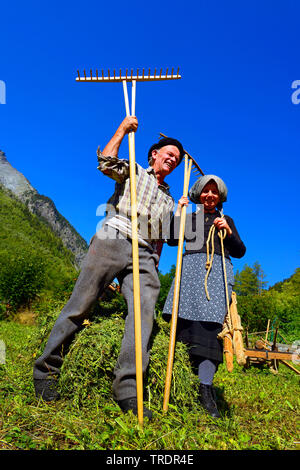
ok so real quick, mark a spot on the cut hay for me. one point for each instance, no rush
(88, 369)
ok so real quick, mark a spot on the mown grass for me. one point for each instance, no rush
(260, 410)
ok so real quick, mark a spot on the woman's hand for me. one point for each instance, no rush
(221, 224)
(183, 201)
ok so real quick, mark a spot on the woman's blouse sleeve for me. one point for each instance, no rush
(233, 243)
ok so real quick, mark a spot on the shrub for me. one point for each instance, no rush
(2, 310)
(255, 310)
(22, 276)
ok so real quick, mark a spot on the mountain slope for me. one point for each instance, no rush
(290, 285)
(43, 207)
(25, 236)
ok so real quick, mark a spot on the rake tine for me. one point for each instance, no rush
(115, 76)
(195, 163)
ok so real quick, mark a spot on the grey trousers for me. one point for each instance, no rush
(109, 256)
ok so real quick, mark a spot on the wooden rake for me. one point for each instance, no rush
(130, 77)
(189, 163)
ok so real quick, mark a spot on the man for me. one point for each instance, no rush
(110, 256)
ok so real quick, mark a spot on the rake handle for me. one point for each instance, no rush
(176, 289)
(135, 259)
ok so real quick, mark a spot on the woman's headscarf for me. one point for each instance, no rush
(196, 189)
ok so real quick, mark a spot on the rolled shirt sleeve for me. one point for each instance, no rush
(114, 167)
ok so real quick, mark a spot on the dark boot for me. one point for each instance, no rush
(207, 400)
(131, 404)
(46, 389)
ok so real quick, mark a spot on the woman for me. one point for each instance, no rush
(202, 309)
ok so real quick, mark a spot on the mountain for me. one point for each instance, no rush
(43, 207)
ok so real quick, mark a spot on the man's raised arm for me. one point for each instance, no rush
(109, 163)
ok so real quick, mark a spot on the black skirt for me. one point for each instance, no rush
(201, 339)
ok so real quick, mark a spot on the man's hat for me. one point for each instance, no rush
(167, 141)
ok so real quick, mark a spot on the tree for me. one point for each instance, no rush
(250, 280)
(246, 282)
(260, 275)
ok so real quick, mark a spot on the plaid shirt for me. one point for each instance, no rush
(155, 205)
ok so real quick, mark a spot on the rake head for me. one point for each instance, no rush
(195, 167)
(128, 77)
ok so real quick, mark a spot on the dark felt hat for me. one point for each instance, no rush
(167, 141)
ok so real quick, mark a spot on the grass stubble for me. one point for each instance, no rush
(260, 410)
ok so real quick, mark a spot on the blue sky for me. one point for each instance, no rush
(232, 109)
